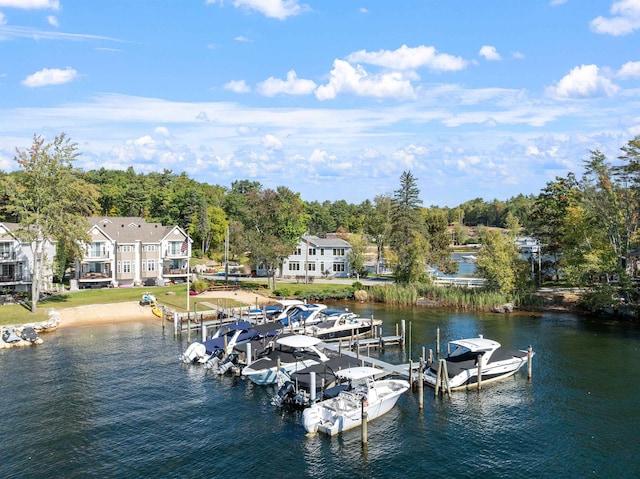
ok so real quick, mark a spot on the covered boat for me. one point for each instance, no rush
(468, 356)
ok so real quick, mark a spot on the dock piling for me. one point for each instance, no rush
(529, 359)
(438, 343)
(364, 425)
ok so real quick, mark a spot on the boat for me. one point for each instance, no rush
(291, 353)
(337, 324)
(227, 336)
(469, 258)
(148, 299)
(10, 336)
(300, 316)
(272, 312)
(345, 411)
(322, 379)
(466, 354)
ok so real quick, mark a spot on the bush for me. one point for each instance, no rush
(281, 293)
(199, 285)
(357, 285)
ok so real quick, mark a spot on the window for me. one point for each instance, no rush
(119, 267)
(338, 267)
(338, 251)
(322, 252)
(312, 251)
(311, 266)
(294, 266)
(298, 251)
(126, 266)
(151, 265)
(125, 248)
(149, 247)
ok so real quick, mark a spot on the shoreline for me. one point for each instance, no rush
(132, 310)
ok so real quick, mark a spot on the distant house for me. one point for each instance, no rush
(316, 257)
(128, 251)
(16, 261)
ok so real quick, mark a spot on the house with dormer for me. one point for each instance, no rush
(128, 251)
(16, 261)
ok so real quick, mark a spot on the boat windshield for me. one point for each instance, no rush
(459, 351)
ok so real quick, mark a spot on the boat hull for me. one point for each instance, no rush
(468, 378)
(266, 376)
(344, 412)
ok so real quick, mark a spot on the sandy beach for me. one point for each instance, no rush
(132, 311)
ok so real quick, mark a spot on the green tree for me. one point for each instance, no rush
(407, 238)
(356, 256)
(50, 201)
(499, 262)
(378, 226)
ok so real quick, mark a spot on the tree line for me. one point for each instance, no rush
(587, 225)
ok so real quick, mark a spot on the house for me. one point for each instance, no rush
(316, 257)
(16, 261)
(128, 251)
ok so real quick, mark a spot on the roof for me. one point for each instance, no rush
(477, 344)
(129, 229)
(325, 242)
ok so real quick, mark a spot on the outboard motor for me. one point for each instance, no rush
(213, 361)
(232, 360)
(285, 393)
(194, 352)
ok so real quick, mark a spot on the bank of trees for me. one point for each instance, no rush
(587, 225)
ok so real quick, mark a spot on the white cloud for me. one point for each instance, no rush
(242, 38)
(53, 21)
(629, 70)
(363, 10)
(280, 9)
(555, 3)
(31, 4)
(291, 86)
(11, 32)
(518, 55)
(162, 131)
(625, 19)
(583, 82)
(489, 53)
(406, 58)
(50, 76)
(237, 86)
(271, 142)
(347, 79)
(3, 19)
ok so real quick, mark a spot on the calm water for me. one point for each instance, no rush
(113, 401)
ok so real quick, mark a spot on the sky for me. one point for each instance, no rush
(333, 99)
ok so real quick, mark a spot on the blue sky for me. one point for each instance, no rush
(333, 99)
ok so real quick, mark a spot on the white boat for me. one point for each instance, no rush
(340, 324)
(272, 312)
(300, 316)
(292, 353)
(462, 363)
(344, 412)
(469, 258)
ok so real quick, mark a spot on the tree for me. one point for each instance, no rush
(437, 251)
(378, 226)
(49, 201)
(356, 256)
(499, 262)
(407, 236)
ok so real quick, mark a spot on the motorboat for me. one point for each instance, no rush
(272, 312)
(300, 316)
(470, 258)
(337, 324)
(465, 357)
(316, 382)
(226, 337)
(291, 353)
(345, 411)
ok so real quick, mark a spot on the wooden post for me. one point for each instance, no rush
(312, 387)
(438, 343)
(430, 356)
(480, 372)
(188, 328)
(175, 324)
(411, 374)
(364, 425)
(446, 378)
(421, 386)
(438, 379)
(529, 359)
(248, 359)
(402, 333)
(204, 332)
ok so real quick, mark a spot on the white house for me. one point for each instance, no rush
(316, 257)
(128, 251)
(16, 261)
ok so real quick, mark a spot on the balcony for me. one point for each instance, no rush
(95, 276)
(12, 278)
(91, 255)
(174, 271)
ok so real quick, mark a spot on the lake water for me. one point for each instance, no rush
(114, 401)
